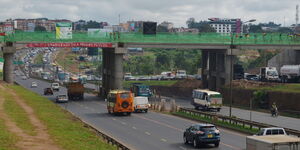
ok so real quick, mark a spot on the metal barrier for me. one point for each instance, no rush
(237, 121)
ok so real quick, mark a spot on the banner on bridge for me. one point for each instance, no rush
(76, 44)
(63, 30)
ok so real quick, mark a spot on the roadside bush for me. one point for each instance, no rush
(260, 99)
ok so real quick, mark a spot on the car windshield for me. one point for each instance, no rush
(62, 96)
(272, 73)
(208, 128)
(124, 95)
(261, 132)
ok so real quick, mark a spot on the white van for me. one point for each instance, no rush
(207, 99)
(55, 86)
(141, 103)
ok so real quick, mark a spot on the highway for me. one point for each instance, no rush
(140, 131)
(281, 121)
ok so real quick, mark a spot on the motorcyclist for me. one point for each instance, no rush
(274, 109)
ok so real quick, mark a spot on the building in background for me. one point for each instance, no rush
(222, 25)
(168, 25)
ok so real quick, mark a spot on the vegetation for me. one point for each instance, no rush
(202, 26)
(156, 61)
(289, 88)
(66, 130)
(39, 59)
(7, 139)
(18, 114)
(226, 124)
(1, 75)
(127, 84)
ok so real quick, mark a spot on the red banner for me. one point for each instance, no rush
(76, 44)
(2, 34)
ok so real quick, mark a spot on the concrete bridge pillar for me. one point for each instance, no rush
(216, 67)
(112, 75)
(8, 54)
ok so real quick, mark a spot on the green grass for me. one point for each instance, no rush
(1, 75)
(127, 84)
(237, 127)
(292, 88)
(7, 139)
(39, 59)
(64, 129)
(18, 114)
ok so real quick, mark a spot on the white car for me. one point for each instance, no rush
(271, 131)
(33, 84)
(141, 103)
(61, 98)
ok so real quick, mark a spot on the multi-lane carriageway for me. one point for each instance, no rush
(140, 131)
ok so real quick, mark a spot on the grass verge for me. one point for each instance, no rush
(65, 130)
(127, 84)
(18, 114)
(39, 59)
(7, 139)
(225, 124)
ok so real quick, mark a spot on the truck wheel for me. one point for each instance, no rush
(128, 113)
(146, 110)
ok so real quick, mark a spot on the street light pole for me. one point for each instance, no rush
(231, 70)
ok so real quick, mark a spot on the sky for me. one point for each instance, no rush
(175, 11)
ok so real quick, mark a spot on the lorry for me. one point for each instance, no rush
(269, 74)
(290, 73)
(75, 90)
(272, 142)
(140, 89)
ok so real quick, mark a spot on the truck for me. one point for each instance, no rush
(272, 142)
(140, 89)
(269, 74)
(75, 90)
(180, 74)
(290, 73)
(238, 72)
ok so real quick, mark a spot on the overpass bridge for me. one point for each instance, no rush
(218, 50)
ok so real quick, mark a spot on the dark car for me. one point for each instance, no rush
(199, 134)
(48, 91)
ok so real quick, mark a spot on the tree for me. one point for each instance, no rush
(285, 30)
(255, 29)
(202, 26)
(39, 28)
(162, 28)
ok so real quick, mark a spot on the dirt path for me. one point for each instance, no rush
(41, 141)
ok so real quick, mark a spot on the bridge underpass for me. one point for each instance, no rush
(218, 51)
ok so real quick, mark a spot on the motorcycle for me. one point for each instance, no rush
(274, 112)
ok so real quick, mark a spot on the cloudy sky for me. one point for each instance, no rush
(176, 11)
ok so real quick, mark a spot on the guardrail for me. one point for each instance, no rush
(243, 122)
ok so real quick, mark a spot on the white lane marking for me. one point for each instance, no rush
(134, 128)
(164, 140)
(147, 133)
(114, 119)
(124, 123)
(182, 148)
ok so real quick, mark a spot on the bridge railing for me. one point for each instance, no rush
(137, 37)
(243, 122)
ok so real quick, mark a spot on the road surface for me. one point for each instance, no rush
(141, 131)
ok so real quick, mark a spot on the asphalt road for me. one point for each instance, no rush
(141, 131)
(280, 121)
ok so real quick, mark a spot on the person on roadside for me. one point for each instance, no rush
(274, 109)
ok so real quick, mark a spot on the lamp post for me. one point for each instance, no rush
(231, 67)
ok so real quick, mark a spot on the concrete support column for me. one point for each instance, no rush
(112, 77)
(118, 71)
(8, 54)
(204, 71)
(212, 71)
